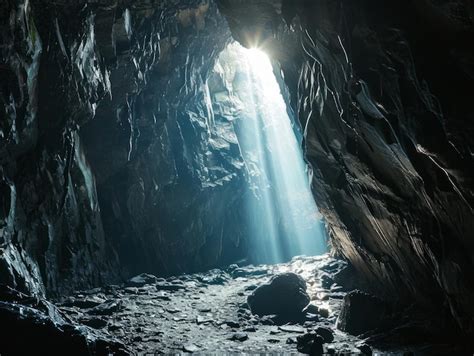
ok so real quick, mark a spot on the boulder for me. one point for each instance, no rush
(285, 295)
(361, 312)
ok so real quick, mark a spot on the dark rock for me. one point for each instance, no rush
(323, 312)
(365, 349)
(162, 296)
(232, 323)
(326, 333)
(361, 312)
(250, 329)
(311, 344)
(239, 336)
(273, 341)
(285, 295)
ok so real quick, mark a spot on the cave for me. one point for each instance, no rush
(236, 177)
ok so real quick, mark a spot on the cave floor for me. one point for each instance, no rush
(207, 312)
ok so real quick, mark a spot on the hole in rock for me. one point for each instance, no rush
(281, 215)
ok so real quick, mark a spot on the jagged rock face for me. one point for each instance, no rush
(107, 143)
(382, 89)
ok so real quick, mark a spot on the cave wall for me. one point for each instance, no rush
(383, 91)
(111, 160)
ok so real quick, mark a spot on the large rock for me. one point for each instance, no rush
(284, 295)
(361, 312)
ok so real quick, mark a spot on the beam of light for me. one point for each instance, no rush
(282, 215)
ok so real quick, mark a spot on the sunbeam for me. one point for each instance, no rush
(282, 215)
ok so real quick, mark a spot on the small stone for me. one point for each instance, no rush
(203, 320)
(137, 338)
(292, 329)
(173, 310)
(204, 310)
(250, 329)
(273, 341)
(131, 290)
(291, 341)
(141, 280)
(324, 312)
(232, 323)
(239, 336)
(191, 348)
(162, 296)
(274, 331)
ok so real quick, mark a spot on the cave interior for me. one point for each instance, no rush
(236, 177)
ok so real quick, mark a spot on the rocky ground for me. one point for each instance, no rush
(308, 306)
(208, 312)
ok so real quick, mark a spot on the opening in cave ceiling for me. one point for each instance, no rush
(282, 216)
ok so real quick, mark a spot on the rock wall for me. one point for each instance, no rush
(108, 151)
(382, 89)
